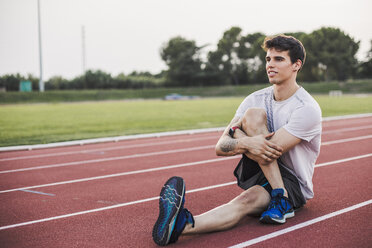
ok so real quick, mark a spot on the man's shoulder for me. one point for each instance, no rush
(308, 106)
(263, 92)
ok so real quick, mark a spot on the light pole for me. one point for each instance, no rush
(83, 49)
(41, 83)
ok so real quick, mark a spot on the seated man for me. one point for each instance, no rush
(277, 130)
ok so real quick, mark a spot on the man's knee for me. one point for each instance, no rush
(254, 121)
(253, 200)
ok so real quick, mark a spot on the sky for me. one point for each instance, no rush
(126, 35)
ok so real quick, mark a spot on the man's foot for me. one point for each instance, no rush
(172, 216)
(280, 208)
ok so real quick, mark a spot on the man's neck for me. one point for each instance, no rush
(284, 91)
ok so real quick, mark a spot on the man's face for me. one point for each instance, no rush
(279, 67)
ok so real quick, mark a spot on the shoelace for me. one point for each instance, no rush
(277, 201)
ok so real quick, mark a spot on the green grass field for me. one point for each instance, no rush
(54, 96)
(51, 122)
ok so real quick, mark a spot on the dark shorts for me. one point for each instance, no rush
(249, 173)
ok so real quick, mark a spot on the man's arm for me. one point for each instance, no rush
(241, 143)
(262, 148)
(226, 145)
(283, 139)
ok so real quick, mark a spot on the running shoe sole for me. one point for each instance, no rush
(268, 220)
(170, 203)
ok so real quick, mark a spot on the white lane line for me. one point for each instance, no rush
(123, 174)
(110, 139)
(152, 144)
(108, 148)
(343, 160)
(109, 207)
(37, 192)
(167, 168)
(153, 198)
(301, 225)
(151, 154)
(346, 140)
(348, 129)
(110, 159)
(151, 135)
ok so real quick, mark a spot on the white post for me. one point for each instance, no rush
(41, 83)
(83, 48)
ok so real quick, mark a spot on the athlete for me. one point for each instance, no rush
(277, 130)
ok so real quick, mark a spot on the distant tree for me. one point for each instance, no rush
(256, 58)
(183, 60)
(226, 62)
(57, 83)
(98, 80)
(332, 53)
(11, 81)
(238, 59)
(365, 68)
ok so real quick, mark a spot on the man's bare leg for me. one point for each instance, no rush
(255, 123)
(252, 201)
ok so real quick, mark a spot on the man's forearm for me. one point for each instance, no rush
(227, 146)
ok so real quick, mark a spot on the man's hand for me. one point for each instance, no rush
(260, 149)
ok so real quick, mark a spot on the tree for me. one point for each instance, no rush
(365, 68)
(183, 59)
(226, 62)
(332, 53)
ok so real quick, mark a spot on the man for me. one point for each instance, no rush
(277, 130)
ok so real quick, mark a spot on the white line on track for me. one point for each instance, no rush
(165, 168)
(110, 159)
(109, 207)
(152, 144)
(150, 135)
(301, 225)
(151, 154)
(345, 140)
(123, 174)
(155, 198)
(347, 129)
(108, 148)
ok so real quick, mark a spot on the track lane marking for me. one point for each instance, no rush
(348, 129)
(159, 143)
(152, 154)
(138, 155)
(301, 225)
(107, 149)
(37, 192)
(155, 198)
(109, 207)
(166, 168)
(346, 140)
(123, 174)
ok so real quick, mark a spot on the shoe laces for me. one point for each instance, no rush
(280, 203)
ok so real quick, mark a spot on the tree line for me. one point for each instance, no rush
(237, 59)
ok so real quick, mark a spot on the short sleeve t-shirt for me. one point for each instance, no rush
(301, 116)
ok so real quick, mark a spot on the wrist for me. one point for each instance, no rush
(232, 131)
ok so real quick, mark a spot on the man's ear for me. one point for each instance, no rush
(297, 65)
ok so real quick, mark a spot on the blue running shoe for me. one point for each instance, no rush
(172, 216)
(280, 208)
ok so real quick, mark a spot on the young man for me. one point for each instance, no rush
(277, 130)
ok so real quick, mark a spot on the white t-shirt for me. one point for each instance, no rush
(301, 116)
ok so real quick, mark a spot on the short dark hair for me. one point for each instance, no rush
(286, 43)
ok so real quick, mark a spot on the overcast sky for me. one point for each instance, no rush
(123, 35)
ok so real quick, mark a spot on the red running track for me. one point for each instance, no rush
(106, 195)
